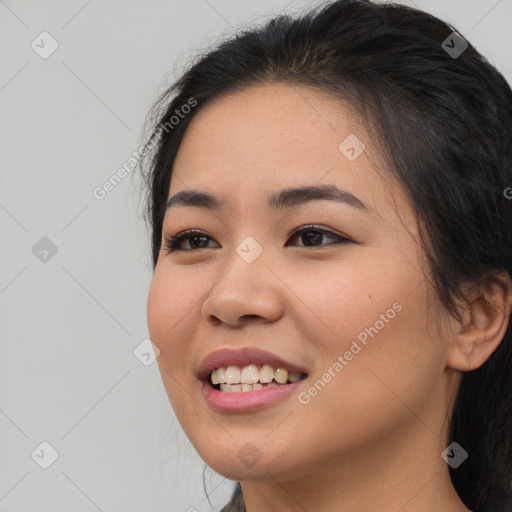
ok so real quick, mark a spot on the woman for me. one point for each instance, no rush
(331, 237)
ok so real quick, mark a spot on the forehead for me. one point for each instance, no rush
(269, 124)
(267, 137)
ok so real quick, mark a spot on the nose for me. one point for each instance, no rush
(246, 293)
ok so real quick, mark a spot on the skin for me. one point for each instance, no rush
(372, 438)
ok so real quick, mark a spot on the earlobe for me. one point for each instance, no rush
(485, 321)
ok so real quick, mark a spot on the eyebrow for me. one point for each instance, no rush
(287, 198)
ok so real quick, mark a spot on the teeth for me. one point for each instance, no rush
(250, 376)
(220, 375)
(233, 375)
(237, 388)
(266, 373)
(281, 375)
(293, 376)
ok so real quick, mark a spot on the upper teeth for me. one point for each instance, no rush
(250, 374)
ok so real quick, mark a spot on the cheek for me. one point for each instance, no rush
(160, 308)
(398, 366)
(170, 306)
(341, 300)
(169, 309)
(371, 335)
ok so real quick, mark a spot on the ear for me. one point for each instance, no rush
(485, 318)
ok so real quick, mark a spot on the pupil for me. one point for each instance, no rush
(317, 236)
(201, 244)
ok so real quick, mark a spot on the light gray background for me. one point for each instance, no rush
(69, 325)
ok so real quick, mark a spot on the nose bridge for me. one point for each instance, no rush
(245, 288)
(246, 270)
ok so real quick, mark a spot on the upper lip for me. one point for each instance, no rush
(242, 357)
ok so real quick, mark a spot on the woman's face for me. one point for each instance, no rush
(346, 302)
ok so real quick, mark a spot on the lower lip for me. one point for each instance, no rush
(246, 401)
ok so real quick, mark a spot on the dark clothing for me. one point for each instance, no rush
(237, 503)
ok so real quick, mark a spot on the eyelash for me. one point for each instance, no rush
(172, 243)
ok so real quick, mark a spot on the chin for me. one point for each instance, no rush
(243, 460)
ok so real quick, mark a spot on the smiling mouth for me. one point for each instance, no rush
(252, 377)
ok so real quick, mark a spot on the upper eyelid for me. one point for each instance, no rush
(198, 232)
(317, 227)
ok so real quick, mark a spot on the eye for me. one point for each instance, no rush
(313, 235)
(199, 239)
(173, 243)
